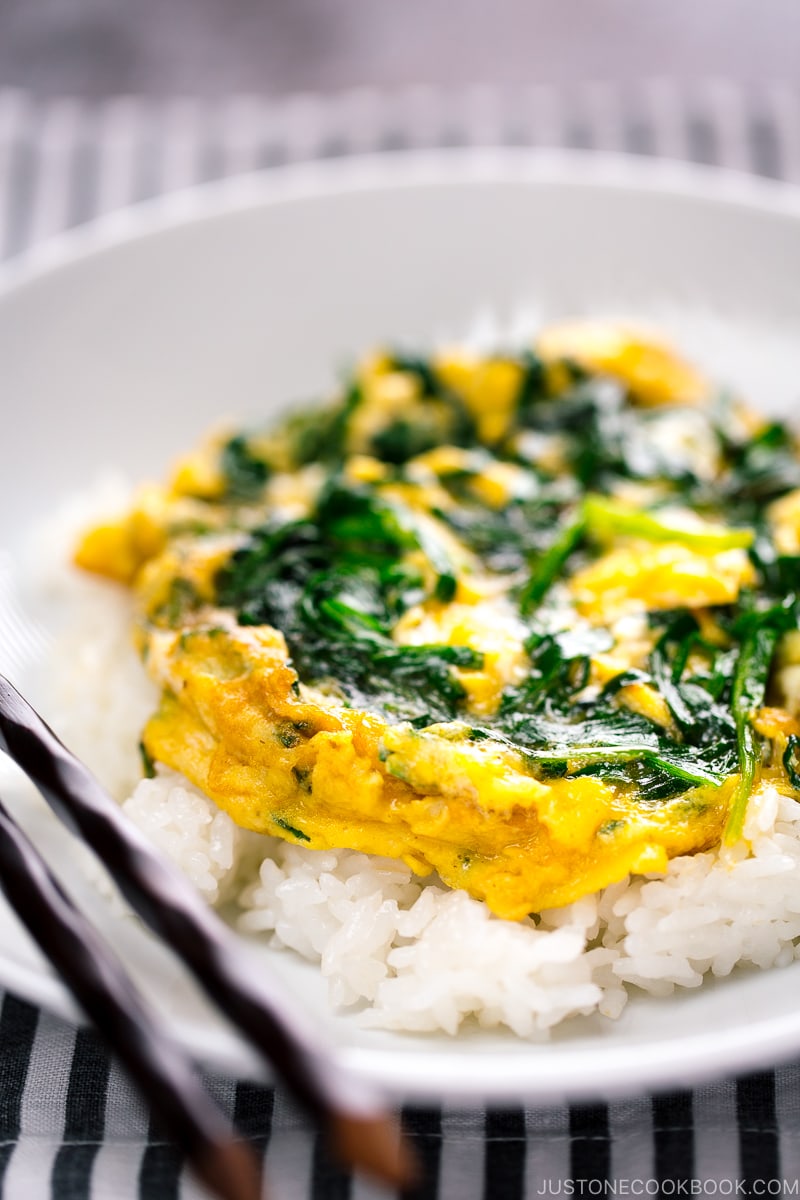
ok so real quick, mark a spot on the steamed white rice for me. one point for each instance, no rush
(406, 953)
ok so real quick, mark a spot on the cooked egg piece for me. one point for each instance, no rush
(655, 374)
(662, 576)
(490, 626)
(784, 518)
(231, 721)
(489, 388)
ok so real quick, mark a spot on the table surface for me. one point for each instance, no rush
(104, 47)
(70, 1125)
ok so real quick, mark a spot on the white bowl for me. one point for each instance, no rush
(120, 343)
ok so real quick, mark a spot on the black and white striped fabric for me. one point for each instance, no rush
(71, 1127)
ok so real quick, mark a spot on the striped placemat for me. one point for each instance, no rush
(63, 161)
(70, 1125)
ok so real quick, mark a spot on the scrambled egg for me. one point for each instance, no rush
(479, 615)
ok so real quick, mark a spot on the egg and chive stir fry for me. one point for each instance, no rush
(528, 620)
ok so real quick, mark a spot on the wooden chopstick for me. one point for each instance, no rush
(108, 997)
(360, 1132)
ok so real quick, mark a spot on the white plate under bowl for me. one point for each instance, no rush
(122, 342)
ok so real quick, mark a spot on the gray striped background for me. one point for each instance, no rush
(63, 161)
(70, 1125)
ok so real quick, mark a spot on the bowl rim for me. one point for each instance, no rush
(398, 170)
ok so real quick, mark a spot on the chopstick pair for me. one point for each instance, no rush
(361, 1134)
(108, 997)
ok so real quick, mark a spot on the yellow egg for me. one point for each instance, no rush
(651, 369)
(663, 576)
